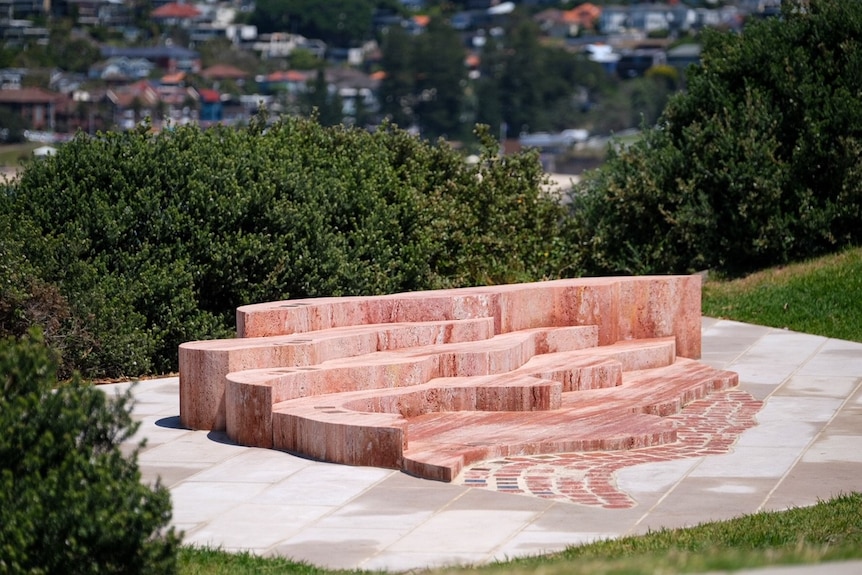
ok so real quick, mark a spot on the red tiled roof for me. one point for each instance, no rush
(28, 96)
(223, 71)
(209, 96)
(175, 78)
(175, 10)
(288, 76)
(124, 96)
(585, 14)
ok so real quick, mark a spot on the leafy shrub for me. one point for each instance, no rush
(757, 164)
(70, 501)
(156, 239)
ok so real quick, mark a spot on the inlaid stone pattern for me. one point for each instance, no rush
(432, 382)
(707, 426)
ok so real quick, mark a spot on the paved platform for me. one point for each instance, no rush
(805, 447)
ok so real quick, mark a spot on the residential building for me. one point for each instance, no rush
(176, 15)
(121, 69)
(24, 8)
(107, 13)
(211, 107)
(40, 109)
(167, 58)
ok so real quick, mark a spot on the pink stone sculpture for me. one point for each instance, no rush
(429, 382)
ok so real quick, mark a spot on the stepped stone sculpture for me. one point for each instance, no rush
(429, 382)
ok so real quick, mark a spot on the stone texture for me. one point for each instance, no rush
(429, 382)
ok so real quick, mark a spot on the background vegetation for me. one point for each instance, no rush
(756, 164)
(125, 245)
(122, 246)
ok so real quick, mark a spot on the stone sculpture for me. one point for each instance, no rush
(430, 382)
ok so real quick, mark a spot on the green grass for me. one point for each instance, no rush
(206, 561)
(820, 297)
(12, 154)
(828, 531)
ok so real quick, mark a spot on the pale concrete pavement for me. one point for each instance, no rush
(807, 446)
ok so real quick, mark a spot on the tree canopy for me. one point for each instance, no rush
(341, 23)
(755, 165)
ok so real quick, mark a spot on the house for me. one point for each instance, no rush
(40, 109)
(168, 58)
(176, 15)
(646, 18)
(11, 78)
(121, 69)
(282, 45)
(224, 73)
(132, 103)
(23, 9)
(168, 100)
(357, 90)
(178, 102)
(65, 82)
(290, 82)
(211, 107)
(18, 32)
(604, 55)
(107, 13)
(566, 23)
(635, 63)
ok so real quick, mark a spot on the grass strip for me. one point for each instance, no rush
(828, 531)
(818, 297)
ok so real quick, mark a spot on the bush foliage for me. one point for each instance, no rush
(151, 240)
(755, 165)
(70, 500)
(122, 246)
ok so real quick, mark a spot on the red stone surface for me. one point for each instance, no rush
(704, 427)
(431, 382)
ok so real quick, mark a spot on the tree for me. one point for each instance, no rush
(520, 82)
(757, 164)
(341, 23)
(12, 126)
(318, 99)
(397, 87)
(70, 501)
(440, 81)
(488, 104)
(529, 87)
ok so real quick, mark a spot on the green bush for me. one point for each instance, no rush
(756, 165)
(70, 501)
(153, 240)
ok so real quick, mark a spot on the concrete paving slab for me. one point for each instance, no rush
(804, 448)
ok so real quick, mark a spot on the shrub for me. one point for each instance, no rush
(757, 164)
(70, 501)
(156, 239)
